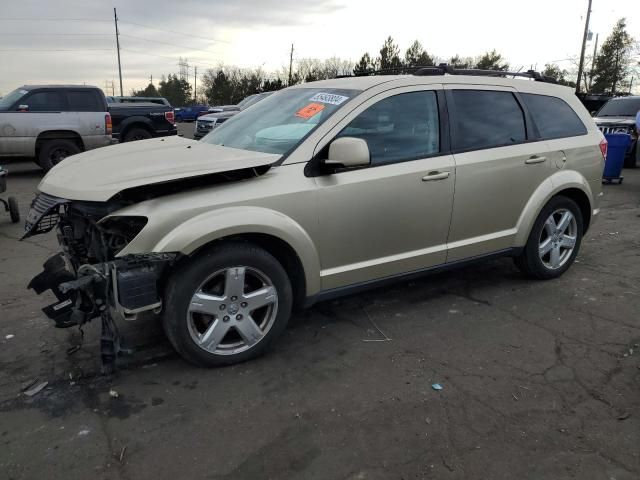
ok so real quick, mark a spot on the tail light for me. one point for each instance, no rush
(603, 148)
(171, 117)
(108, 126)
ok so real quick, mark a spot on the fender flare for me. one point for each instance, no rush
(552, 186)
(203, 229)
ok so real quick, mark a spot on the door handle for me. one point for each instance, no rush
(431, 176)
(535, 159)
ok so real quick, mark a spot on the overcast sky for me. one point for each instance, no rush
(72, 41)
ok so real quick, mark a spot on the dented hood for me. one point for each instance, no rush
(99, 174)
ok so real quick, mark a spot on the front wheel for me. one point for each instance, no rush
(227, 305)
(554, 241)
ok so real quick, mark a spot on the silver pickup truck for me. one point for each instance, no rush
(51, 122)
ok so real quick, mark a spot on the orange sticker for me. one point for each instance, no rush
(310, 110)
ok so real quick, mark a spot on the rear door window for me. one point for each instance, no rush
(486, 119)
(45, 102)
(553, 116)
(399, 128)
(83, 101)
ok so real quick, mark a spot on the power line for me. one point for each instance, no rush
(174, 31)
(57, 50)
(165, 56)
(164, 43)
(52, 20)
(22, 34)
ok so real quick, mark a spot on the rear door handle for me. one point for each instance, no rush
(431, 176)
(535, 159)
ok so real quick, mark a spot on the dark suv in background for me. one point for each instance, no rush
(618, 115)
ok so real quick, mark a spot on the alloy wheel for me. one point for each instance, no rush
(558, 239)
(232, 310)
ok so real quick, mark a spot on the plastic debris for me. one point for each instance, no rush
(113, 394)
(624, 416)
(437, 386)
(84, 432)
(10, 336)
(35, 389)
(122, 452)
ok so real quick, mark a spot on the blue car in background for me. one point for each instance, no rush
(189, 114)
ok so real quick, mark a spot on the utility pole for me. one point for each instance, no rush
(593, 61)
(195, 84)
(584, 47)
(151, 79)
(115, 19)
(290, 65)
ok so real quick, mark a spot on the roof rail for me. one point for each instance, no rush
(444, 68)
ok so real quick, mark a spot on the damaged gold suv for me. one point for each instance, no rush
(318, 191)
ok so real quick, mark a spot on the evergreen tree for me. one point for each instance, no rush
(149, 91)
(611, 68)
(492, 61)
(416, 56)
(389, 55)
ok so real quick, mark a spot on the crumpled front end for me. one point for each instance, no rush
(87, 278)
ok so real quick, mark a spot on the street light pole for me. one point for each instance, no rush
(584, 47)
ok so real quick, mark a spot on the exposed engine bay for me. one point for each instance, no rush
(88, 278)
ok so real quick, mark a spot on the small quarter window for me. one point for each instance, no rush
(553, 116)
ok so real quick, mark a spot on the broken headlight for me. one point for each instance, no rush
(118, 231)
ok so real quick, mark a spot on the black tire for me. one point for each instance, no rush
(54, 151)
(529, 261)
(14, 212)
(178, 118)
(137, 134)
(185, 281)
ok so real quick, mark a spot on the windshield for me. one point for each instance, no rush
(281, 121)
(11, 98)
(622, 107)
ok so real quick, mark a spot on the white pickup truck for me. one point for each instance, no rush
(51, 122)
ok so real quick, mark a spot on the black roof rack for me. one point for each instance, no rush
(443, 69)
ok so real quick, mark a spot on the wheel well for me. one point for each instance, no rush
(133, 125)
(56, 135)
(582, 200)
(281, 250)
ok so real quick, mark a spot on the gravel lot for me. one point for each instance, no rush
(540, 379)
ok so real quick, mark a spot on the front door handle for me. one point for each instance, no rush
(431, 176)
(535, 159)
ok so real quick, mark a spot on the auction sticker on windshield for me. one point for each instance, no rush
(310, 110)
(329, 98)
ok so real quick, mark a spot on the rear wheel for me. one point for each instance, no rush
(14, 212)
(227, 305)
(137, 134)
(554, 241)
(53, 152)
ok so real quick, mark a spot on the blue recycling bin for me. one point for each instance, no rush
(616, 151)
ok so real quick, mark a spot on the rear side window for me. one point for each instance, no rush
(486, 119)
(45, 102)
(84, 101)
(399, 128)
(553, 116)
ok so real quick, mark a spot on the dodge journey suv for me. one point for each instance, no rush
(319, 190)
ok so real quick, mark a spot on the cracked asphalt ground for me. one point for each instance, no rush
(541, 379)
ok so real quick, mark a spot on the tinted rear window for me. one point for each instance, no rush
(620, 107)
(553, 116)
(86, 101)
(486, 119)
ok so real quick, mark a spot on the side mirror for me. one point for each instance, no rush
(23, 108)
(348, 152)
